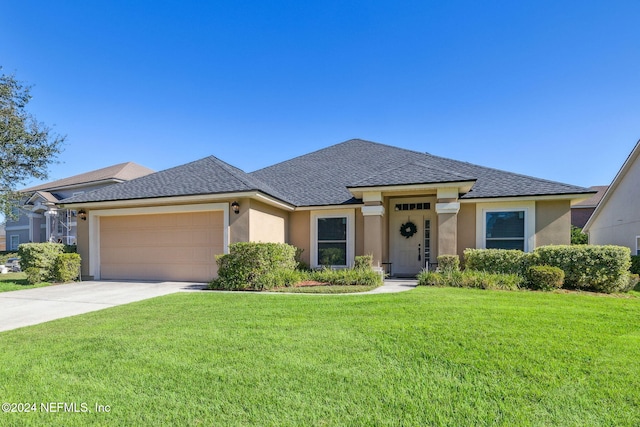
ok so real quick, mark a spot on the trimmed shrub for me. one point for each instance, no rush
(448, 263)
(597, 268)
(635, 264)
(633, 283)
(502, 261)
(41, 256)
(545, 278)
(363, 262)
(247, 261)
(67, 267)
(35, 275)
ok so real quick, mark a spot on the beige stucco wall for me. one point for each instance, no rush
(267, 223)
(553, 222)
(466, 227)
(82, 240)
(239, 223)
(618, 221)
(300, 232)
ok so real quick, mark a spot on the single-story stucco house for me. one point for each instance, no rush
(354, 198)
(616, 219)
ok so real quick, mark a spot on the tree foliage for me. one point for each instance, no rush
(578, 237)
(27, 147)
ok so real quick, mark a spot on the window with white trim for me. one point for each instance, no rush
(505, 229)
(332, 241)
(14, 241)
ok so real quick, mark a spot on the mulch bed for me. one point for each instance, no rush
(310, 283)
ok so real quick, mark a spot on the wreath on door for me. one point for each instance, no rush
(408, 229)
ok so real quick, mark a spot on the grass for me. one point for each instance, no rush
(16, 282)
(326, 289)
(431, 356)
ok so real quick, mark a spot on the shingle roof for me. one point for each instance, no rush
(325, 176)
(205, 176)
(322, 177)
(119, 172)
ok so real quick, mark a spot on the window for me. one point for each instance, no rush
(14, 241)
(332, 241)
(637, 245)
(505, 230)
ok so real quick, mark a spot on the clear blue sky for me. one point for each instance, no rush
(544, 88)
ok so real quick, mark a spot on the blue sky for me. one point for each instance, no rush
(543, 88)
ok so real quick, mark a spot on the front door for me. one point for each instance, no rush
(407, 244)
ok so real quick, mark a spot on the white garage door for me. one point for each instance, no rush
(179, 247)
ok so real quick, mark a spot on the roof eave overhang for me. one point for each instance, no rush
(178, 200)
(463, 187)
(535, 197)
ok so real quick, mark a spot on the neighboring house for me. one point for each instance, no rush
(40, 219)
(616, 219)
(358, 197)
(581, 211)
(3, 238)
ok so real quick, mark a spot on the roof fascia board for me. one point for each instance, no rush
(413, 187)
(329, 207)
(568, 196)
(614, 184)
(181, 200)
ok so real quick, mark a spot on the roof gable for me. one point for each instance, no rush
(620, 176)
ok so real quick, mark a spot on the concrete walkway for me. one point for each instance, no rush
(394, 285)
(39, 305)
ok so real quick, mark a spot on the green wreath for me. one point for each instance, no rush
(408, 229)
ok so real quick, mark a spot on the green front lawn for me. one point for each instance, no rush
(16, 282)
(431, 356)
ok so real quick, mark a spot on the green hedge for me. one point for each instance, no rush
(40, 256)
(597, 268)
(346, 277)
(246, 262)
(67, 267)
(471, 279)
(49, 262)
(498, 261)
(5, 255)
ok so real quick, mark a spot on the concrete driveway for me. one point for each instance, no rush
(33, 306)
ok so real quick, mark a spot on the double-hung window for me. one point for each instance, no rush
(505, 229)
(14, 241)
(332, 241)
(332, 238)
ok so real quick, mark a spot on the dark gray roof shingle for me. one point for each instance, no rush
(205, 176)
(323, 177)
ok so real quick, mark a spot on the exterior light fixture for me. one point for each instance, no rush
(235, 207)
(82, 214)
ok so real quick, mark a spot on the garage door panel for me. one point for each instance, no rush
(161, 246)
